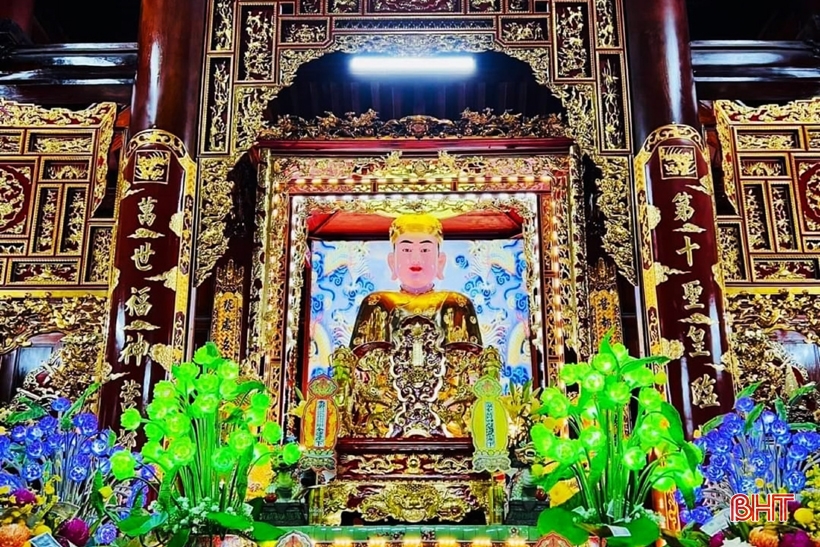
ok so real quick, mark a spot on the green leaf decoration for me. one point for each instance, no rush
(752, 416)
(561, 473)
(33, 412)
(564, 523)
(675, 430)
(251, 385)
(694, 456)
(230, 522)
(801, 392)
(803, 426)
(180, 539)
(167, 487)
(712, 424)
(780, 408)
(748, 391)
(140, 524)
(262, 531)
(644, 531)
(635, 364)
(605, 346)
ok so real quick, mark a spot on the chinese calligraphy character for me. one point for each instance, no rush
(683, 206)
(141, 256)
(697, 335)
(688, 249)
(135, 347)
(691, 293)
(138, 303)
(146, 206)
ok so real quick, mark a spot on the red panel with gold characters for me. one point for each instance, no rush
(683, 280)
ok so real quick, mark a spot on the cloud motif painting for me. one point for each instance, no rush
(490, 272)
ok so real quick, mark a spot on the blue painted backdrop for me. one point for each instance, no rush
(490, 272)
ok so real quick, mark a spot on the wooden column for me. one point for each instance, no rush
(681, 277)
(151, 289)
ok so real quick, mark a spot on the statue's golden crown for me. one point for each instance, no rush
(416, 224)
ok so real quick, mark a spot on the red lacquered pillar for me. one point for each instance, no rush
(681, 277)
(150, 292)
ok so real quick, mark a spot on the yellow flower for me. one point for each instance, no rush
(804, 516)
(562, 492)
(106, 492)
(760, 483)
(41, 529)
(697, 434)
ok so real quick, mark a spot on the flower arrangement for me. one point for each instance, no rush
(756, 451)
(206, 428)
(612, 469)
(53, 465)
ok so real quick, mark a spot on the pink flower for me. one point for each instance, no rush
(75, 531)
(793, 506)
(798, 538)
(717, 540)
(24, 497)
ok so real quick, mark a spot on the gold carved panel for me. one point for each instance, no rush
(576, 48)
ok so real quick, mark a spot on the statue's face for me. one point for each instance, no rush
(416, 261)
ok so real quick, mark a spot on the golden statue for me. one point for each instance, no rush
(416, 262)
(417, 350)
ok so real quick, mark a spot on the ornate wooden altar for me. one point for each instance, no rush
(395, 441)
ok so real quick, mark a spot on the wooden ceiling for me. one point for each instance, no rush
(60, 21)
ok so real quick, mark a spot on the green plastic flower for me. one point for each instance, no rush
(605, 362)
(223, 459)
(650, 398)
(182, 450)
(648, 434)
(642, 377)
(206, 403)
(240, 440)
(122, 465)
(165, 390)
(130, 419)
(185, 372)
(592, 438)
(594, 381)
(255, 416)
(261, 400)
(272, 432)
(620, 352)
(228, 389)
(569, 374)
(634, 458)
(619, 393)
(291, 453)
(228, 370)
(566, 452)
(152, 450)
(207, 355)
(207, 383)
(153, 431)
(158, 409)
(177, 424)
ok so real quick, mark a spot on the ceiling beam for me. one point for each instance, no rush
(756, 71)
(82, 74)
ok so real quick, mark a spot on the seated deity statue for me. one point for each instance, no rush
(414, 352)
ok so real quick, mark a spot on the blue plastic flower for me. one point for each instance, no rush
(32, 471)
(713, 473)
(34, 449)
(721, 444)
(5, 447)
(78, 473)
(61, 405)
(7, 479)
(34, 433)
(744, 404)
(701, 515)
(732, 424)
(99, 446)
(18, 434)
(795, 481)
(104, 466)
(49, 424)
(86, 422)
(106, 534)
(768, 417)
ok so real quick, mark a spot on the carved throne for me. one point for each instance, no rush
(405, 452)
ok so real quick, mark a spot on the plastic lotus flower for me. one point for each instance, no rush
(753, 450)
(613, 470)
(205, 428)
(52, 464)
